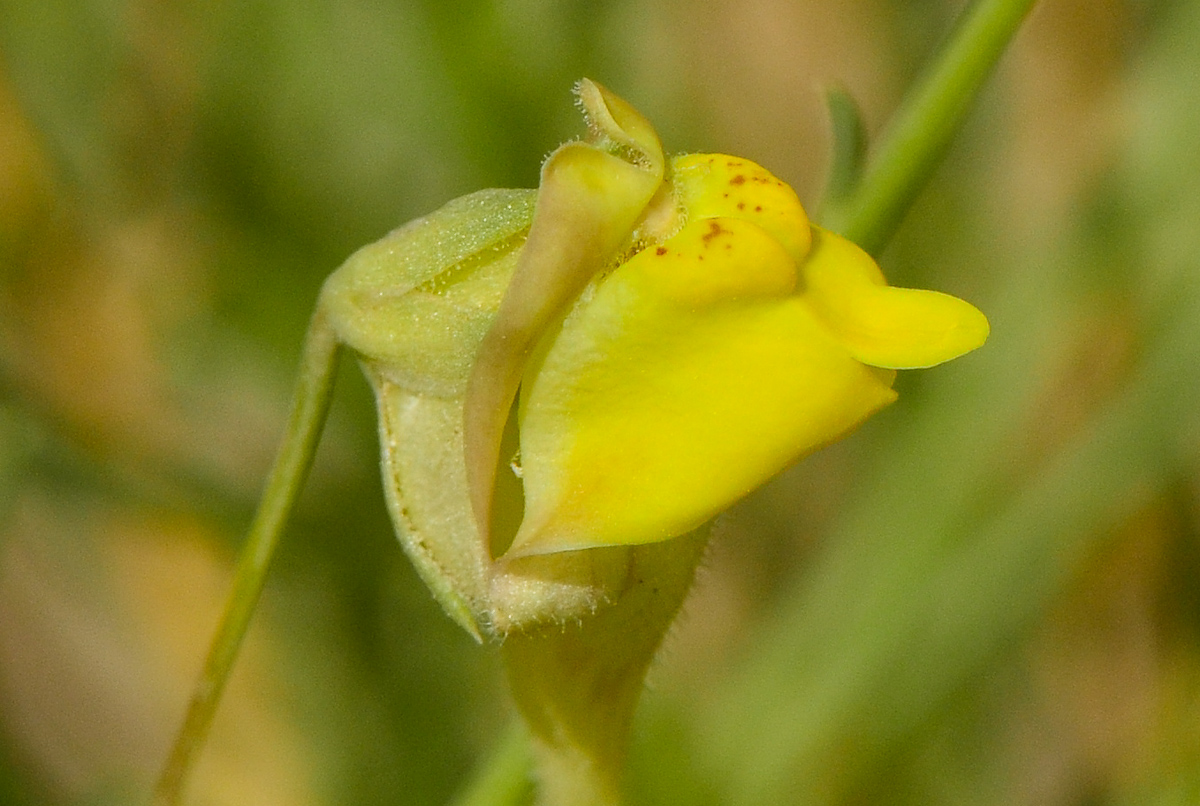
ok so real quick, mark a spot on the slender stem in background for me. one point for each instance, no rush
(505, 778)
(848, 150)
(921, 130)
(310, 405)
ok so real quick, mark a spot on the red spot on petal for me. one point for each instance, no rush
(737, 180)
(714, 229)
(662, 250)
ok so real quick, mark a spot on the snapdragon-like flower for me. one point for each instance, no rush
(671, 333)
(707, 362)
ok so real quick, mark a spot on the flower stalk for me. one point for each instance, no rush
(922, 129)
(311, 399)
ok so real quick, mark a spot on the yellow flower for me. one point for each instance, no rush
(703, 365)
(679, 333)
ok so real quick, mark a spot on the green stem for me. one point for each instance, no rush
(310, 404)
(921, 130)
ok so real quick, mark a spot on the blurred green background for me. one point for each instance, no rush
(988, 595)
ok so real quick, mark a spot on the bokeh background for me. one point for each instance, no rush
(988, 595)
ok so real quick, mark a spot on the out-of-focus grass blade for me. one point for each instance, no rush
(848, 145)
(64, 57)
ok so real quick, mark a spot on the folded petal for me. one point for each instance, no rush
(896, 328)
(611, 119)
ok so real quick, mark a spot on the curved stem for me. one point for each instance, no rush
(310, 404)
(921, 130)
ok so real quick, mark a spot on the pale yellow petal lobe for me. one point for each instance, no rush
(897, 328)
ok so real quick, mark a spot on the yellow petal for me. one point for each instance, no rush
(897, 328)
(711, 261)
(712, 185)
(690, 377)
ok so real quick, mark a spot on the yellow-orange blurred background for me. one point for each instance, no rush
(987, 595)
